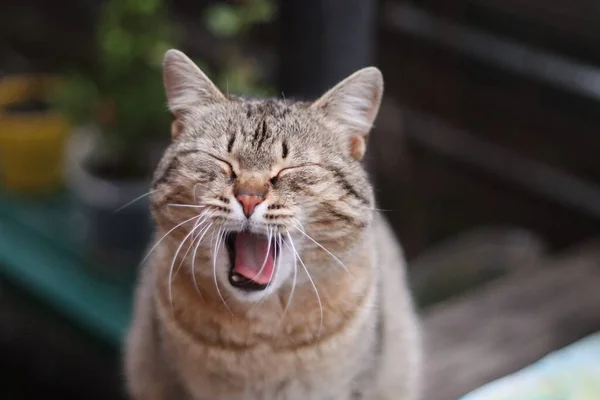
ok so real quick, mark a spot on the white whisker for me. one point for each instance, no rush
(201, 221)
(194, 192)
(134, 200)
(302, 231)
(175, 259)
(185, 205)
(266, 256)
(194, 257)
(287, 306)
(375, 209)
(217, 245)
(273, 272)
(310, 279)
(276, 262)
(167, 234)
(280, 242)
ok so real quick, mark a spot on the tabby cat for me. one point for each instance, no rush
(272, 275)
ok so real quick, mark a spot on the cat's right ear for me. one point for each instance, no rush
(354, 103)
(187, 87)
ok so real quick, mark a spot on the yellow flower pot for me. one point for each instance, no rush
(32, 142)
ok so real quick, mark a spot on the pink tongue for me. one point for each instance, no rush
(254, 258)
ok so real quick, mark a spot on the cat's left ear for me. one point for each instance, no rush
(187, 87)
(354, 103)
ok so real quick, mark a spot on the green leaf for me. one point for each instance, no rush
(146, 6)
(223, 20)
(260, 11)
(124, 92)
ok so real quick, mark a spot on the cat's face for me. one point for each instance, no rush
(253, 186)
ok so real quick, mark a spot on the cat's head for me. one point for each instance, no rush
(256, 186)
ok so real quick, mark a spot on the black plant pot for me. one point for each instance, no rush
(113, 237)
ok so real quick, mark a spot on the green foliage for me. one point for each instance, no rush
(226, 20)
(123, 93)
(241, 73)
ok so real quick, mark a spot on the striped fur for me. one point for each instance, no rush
(194, 335)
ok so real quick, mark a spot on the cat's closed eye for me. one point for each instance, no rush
(307, 176)
(284, 171)
(226, 165)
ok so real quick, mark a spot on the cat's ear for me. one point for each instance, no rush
(186, 86)
(354, 103)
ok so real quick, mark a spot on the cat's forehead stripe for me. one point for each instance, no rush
(274, 108)
(260, 133)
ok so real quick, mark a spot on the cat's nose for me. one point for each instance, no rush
(249, 201)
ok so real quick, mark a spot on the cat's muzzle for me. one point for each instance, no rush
(247, 283)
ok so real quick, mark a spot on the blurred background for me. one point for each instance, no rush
(485, 157)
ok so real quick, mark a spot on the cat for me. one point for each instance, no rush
(272, 277)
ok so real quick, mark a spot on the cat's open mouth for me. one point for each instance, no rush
(252, 258)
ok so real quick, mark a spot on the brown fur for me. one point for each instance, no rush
(325, 331)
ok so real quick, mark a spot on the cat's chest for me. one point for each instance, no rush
(323, 371)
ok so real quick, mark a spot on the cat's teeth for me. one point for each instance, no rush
(236, 278)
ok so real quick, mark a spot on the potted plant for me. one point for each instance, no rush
(32, 135)
(120, 105)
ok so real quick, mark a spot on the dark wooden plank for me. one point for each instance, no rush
(511, 110)
(574, 18)
(471, 259)
(565, 27)
(430, 195)
(549, 182)
(512, 322)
